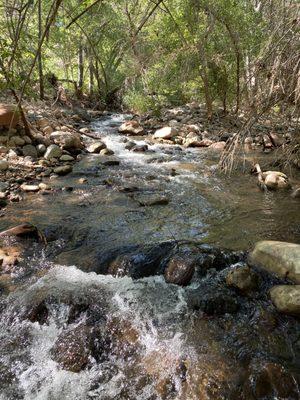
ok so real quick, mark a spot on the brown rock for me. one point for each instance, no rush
(72, 348)
(180, 270)
(243, 278)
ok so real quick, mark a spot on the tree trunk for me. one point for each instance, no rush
(40, 63)
(91, 75)
(80, 67)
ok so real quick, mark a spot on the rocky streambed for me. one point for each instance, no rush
(139, 286)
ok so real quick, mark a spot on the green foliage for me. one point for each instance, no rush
(174, 53)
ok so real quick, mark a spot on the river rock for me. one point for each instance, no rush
(30, 151)
(67, 140)
(167, 132)
(193, 141)
(9, 116)
(41, 149)
(286, 298)
(53, 151)
(72, 349)
(275, 180)
(16, 141)
(3, 150)
(96, 147)
(3, 165)
(180, 270)
(140, 148)
(63, 169)
(131, 128)
(280, 258)
(48, 130)
(30, 188)
(66, 157)
(243, 278)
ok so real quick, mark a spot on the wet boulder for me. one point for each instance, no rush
(132, 128)
(286, 298)
(279, 258)
(243, 278)
(136, 261)
(72, 348)
(180, 270)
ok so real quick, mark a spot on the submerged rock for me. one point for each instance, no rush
(72, 348)
(286, 298)
(137, 261)
(279, 258)
(270, 381)
(151, 200)
(213, 300)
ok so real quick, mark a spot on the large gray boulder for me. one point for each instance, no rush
(286, 298)
(279, 258)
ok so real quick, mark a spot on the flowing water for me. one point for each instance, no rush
(142, 338)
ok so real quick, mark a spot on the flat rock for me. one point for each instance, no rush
(279, 258)
(286, 298)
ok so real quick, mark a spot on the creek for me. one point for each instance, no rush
(153, 340)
